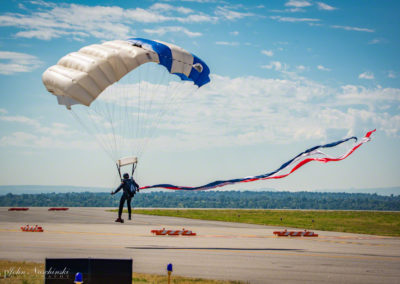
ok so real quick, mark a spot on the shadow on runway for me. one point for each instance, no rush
(215, 248)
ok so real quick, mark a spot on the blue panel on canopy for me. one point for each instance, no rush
(199, 77)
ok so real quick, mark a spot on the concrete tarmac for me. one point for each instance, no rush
(228, 251)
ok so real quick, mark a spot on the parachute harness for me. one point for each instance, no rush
(296, 163)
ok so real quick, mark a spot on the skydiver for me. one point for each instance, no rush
(129, 187)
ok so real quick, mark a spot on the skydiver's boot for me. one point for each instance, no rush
(129, 217)
(119, 220)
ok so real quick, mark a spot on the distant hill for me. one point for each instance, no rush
(35, 189)
(213, 199)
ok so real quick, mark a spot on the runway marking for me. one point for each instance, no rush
(206, 236)
(270, 251)
(320, 255)
(228, 250)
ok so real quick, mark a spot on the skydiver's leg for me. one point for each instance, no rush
(128, 201)
(121, 205)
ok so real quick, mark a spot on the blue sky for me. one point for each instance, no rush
(286, 75)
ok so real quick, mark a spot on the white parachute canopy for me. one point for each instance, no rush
(123, 92)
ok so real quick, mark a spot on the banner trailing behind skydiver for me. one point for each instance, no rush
(295, 163)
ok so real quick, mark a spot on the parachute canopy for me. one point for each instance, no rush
(126, 92)
(80, 77)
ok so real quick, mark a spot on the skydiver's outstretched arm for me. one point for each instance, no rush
(118, 189)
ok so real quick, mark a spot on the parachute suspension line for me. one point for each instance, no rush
(158, 92)
(163, 110)
(155, 94)
(99, 142)
(126, 126)
(102, 136)
(103, 110)
(145, 114)
(175, 100)
(162, 93)
(133, 126)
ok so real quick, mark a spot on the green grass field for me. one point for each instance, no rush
(32, 273)
(363, 222)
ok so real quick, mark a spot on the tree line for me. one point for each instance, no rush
(213, 199)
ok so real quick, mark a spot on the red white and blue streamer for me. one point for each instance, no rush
(295, 163)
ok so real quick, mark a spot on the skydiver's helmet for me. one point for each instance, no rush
(126, 175)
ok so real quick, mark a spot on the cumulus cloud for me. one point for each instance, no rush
(20, 119)
(173, 29)
(228, 43)
(392, 75)
(294, 19)
(29, 140)
(324, 6)
(356, 29)
(367, 76)
(267, 52)
(276, 65)
(230, 14)
(31, 133)
(301, 68)
(242, 111)
(110, 22)
(16, 62)
(298, 3)
(168, 7)
(323, 68)
(260, 110)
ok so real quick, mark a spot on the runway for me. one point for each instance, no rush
(228, 251)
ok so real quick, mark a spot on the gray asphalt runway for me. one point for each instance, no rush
(219, 251)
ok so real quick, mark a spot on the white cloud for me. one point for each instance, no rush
(301, 68)
(276, 65)
(167, 7)
(3, 111)
(293, 19)
(202, 1)
(30, 133)
(258, 110)
(174, 29)
(234, 33)
(20, 119)
(323, 68)
(324, 6)
(392, 75)
(352, 94)
(349, 28)
(367, 76)
(298, 3)
(242, 111)
(229, 14)
(15, 62)
(29, 140)
(228, 43)
(105, 22)
(36, 126)
(267, 52)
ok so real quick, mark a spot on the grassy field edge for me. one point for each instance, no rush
(361, 222)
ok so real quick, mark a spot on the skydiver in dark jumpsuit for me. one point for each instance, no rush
(129, 187)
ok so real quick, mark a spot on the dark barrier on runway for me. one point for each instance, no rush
(93, 270)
